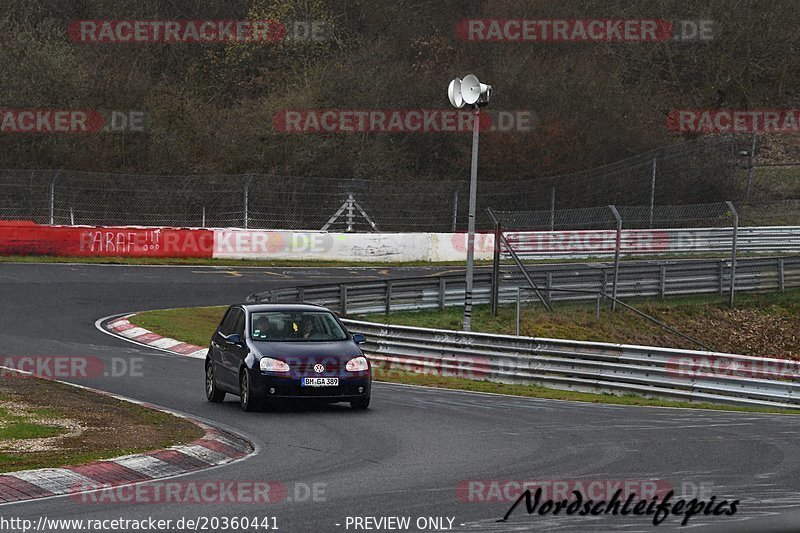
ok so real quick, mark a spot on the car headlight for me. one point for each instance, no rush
(268, 364)
(357, 364)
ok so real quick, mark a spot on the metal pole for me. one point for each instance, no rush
(204, 217)
(733, 251)
(520, 265)
(653, 191)
(71, 216)
(496, 268)
(519, 300)
(350, 202)
(750, 168)
(53, 197)
(473, 189)
(616, 257)
(246, 201)
(552, 208)
(455, 209)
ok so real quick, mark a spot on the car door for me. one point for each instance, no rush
(235, 352)
(220, 345)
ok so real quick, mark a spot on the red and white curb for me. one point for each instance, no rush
(216, 447)
(121, 327)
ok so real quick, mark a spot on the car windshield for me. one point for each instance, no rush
(290, 326)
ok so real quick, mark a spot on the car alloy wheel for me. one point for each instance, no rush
(213, 394)
(246, 398)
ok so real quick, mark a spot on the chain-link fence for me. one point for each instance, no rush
(694, 173)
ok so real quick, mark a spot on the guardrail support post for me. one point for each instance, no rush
(343, 299)
(720, 275)
(301, 294)
(617, 246)
(549, 286)
(663, 282)
(598, 307)
(781, 278)
(496, 268)
(733, 247)
(519, 302)
(442, 292)
(388, 296)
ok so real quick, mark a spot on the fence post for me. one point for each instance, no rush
(598, 307)
(343, 299)
(246, 200)
(653, 191)
(455, 209)
(617, 246)
(388, 296)
(203, 225)
(733, 248)
(781, 278)
(519, 300)
(496, 268)
(53, 197)
(663, 287)
(71, 216)
(552, 208)
(442, 292)
(750, 166)
(720, 275)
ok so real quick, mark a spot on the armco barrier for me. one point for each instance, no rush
(583, 366)
(636, 278)
(20, 238)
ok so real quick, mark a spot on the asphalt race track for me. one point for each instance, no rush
(411, 451)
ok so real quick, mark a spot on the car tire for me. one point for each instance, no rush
(361, 404)
(213, 394)
(247, 399)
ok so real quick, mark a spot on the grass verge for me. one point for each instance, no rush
(44, 423)
(196, 325)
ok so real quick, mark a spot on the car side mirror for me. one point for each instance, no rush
(233, 339)
(359, 338)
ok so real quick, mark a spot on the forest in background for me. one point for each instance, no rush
(210, 107)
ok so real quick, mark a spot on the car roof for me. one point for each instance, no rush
(257, 308)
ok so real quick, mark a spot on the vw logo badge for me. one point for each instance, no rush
(318, 368)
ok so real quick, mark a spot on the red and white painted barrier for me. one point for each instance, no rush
(27, 238)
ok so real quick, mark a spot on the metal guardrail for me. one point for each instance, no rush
(597, 243)
(583, 366)
(636, 279)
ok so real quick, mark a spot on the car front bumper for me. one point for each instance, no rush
(351, 387)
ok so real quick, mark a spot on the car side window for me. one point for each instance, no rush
(238, 325)
(226, 326)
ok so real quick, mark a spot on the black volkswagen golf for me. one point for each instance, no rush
(270, 351)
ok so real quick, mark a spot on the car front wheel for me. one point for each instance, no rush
(360, 404)
(213, 394)
(247, 399)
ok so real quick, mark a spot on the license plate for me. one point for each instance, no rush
(320, 382)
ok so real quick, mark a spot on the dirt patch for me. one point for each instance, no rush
(95, 426)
